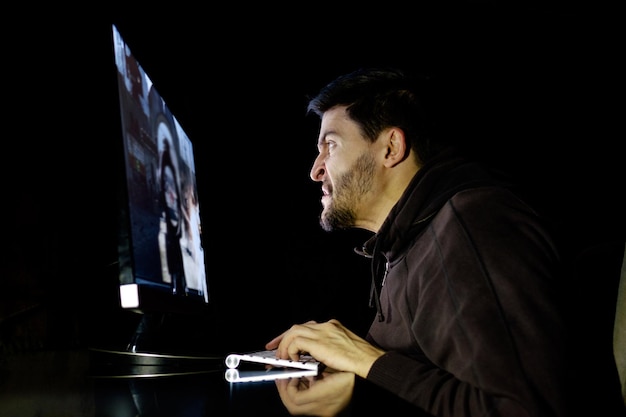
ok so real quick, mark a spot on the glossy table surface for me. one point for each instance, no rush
(69, 383)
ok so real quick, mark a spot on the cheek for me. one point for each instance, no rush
(335, 165)
(333, 172)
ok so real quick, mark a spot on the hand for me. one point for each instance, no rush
(324, 395)
(330, 343)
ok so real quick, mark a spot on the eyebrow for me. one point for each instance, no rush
(325, 136)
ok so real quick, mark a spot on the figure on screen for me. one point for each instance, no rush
(193, 253)
(171, 221)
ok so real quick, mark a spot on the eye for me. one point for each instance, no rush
(325, 147)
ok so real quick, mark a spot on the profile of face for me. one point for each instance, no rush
(345, 166)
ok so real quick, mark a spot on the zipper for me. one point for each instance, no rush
(385, 273)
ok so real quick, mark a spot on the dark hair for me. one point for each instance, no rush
(378, 98)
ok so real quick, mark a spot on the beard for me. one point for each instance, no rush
(347, 194)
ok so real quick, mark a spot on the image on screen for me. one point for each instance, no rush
(163, 247)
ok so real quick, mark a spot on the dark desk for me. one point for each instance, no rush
(66, 383)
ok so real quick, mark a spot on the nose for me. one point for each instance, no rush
(317, 170)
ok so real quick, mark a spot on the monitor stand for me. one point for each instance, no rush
(158, 348)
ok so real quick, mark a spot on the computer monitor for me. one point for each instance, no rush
(161, 267)
(161, 252)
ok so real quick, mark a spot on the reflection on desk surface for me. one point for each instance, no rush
(62, 383)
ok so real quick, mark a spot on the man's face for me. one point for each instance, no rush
(346, 167)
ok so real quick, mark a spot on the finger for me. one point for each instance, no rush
(273, 344)
(295, 387)
(281, 383)
(294, 343)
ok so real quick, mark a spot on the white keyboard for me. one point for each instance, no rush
(268, 357)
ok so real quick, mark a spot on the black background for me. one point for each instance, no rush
(537, 91)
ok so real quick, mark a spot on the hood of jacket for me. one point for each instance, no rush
(433, 185)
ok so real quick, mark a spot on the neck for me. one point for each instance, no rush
(385, 197)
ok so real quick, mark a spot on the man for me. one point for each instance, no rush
(465, 275)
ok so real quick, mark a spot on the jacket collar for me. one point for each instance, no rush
(434, 184)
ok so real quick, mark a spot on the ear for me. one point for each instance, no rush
(397, 149)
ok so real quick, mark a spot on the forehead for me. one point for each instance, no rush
(337, 122)
(335, 116)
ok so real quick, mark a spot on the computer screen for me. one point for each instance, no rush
(161, 265)
(161, 252)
